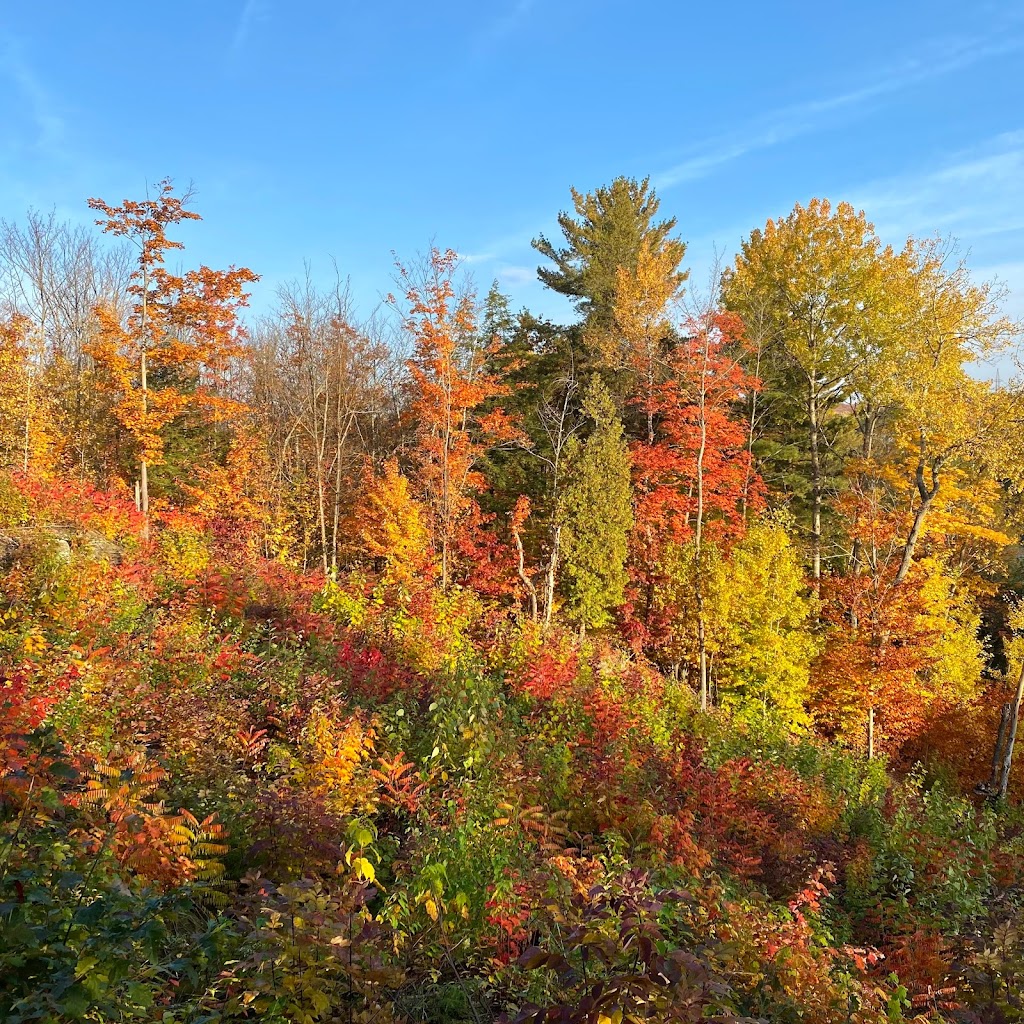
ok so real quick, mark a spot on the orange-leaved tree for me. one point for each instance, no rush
(452, 408)
(167, 356)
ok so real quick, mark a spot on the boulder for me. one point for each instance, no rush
(64, 541)
(8, 551)
(100, 548)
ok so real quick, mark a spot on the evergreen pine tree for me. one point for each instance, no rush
(615, 223)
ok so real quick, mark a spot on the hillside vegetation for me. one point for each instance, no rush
(457, 665)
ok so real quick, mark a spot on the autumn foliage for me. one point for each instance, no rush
(658, 666)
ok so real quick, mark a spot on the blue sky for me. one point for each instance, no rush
(318, 130)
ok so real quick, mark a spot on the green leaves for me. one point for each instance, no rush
(596, 513)
(616, 222)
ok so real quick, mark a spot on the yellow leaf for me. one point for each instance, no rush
(364, 869)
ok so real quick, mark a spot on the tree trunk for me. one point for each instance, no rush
(871, 733)
(702, 653)
(991, 787)
(144, 381)
(531, 590)
(927, 494)
(813, 413)
(28, 415)
(549, 582)
(867, 481)
(751, 425)
(1011, 736)
(698, 537)
(702, 661)
(144, 497)
(321, 515)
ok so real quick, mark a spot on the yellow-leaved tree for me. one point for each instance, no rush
(756, 617)
(391, 527)
(945, 416)
(638, 341)
(26, 429)
(767, 644)
(817, 285)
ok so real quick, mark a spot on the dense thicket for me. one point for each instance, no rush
(454, 664)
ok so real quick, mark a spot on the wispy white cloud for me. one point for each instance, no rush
(498, 247)
(777, 127)
(253, 12)
(938, 58)
(505, 24)
(977, 195)
(469, 259)
(49, 126)
(512, 274)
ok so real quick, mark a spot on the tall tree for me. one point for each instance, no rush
(615, 223)
(642, 336)
(943, 415)
(713, 381)
(692, 468)
(816, 282)
(183, 327)
(450, 392)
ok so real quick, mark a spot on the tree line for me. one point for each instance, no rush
(796, 490)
